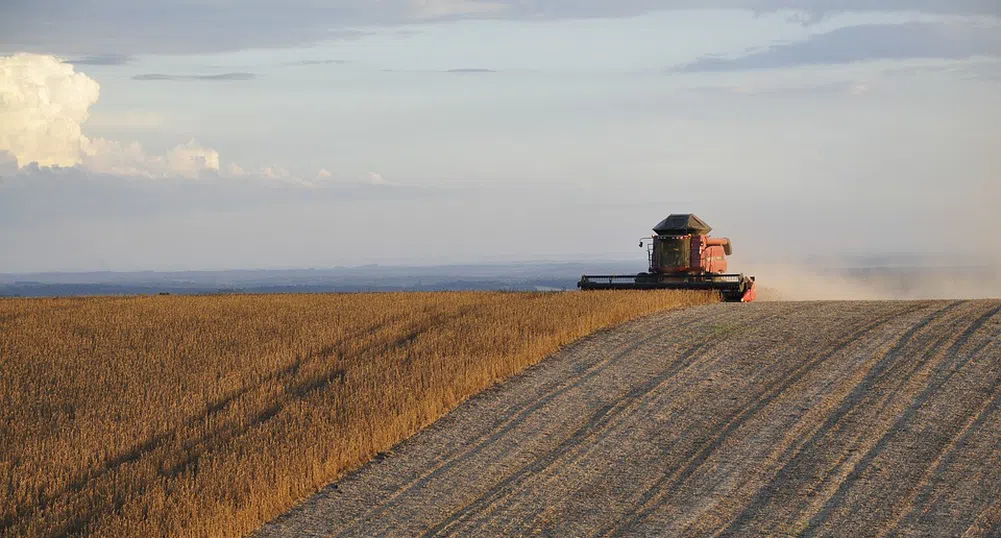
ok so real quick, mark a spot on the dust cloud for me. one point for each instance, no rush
(962, 260)
(802, 283)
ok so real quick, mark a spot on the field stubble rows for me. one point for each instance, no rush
(775, 419)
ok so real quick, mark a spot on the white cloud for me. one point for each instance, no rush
(186, 160)
(44, 106)
(43, 103)
(860, 89)
(867, 43)
(190, 159)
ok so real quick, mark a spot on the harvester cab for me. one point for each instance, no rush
(682, 256)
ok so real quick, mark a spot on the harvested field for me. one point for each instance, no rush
(207, 416)
(768, 419)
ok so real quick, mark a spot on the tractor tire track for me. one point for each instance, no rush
(920, 500)
(731, 422)
(837, 418)
(908, 416)
(870, 402)
(651, 499)
(884, 368)
(445, 459)
(503, 425)
(571, 458)
(707, 361)
(583, 439)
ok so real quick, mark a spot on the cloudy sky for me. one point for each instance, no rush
(214, 134)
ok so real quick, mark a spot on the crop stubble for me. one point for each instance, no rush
(806, 419)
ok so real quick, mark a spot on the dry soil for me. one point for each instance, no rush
(801, 419)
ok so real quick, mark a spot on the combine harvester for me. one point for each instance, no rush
(682, 256)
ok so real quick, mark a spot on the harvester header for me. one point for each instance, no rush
(682, 256)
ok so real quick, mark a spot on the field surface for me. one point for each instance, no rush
(768, 419)
(207, 416)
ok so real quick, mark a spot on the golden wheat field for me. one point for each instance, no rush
(207, 416)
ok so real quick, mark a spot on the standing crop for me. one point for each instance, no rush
(207, 416)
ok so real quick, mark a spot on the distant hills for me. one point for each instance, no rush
(370, 278)
(896, 278)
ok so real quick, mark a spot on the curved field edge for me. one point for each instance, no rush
(771, 419)
(207, 416)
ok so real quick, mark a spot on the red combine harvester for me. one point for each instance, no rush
(682, 257)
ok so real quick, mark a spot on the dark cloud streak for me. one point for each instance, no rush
(89, 27)
(456, 71)
(314, 62)
(838, 88)
(866, 43)
(102, 59)
(221, 76)
(470, 71)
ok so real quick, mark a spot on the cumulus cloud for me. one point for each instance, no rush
(44, 104)
(186, 160)
(375, 178)
(44, 107)
(867, 43)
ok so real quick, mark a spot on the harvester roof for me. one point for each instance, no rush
(682, 224)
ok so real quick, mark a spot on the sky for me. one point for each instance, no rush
(213, 134)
